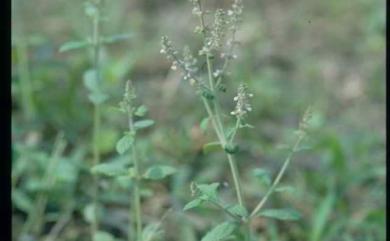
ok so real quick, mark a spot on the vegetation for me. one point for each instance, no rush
(85, 169)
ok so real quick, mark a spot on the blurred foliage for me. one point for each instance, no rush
(329, 54)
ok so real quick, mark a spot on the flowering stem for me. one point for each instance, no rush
(278, 177)
(217, 123)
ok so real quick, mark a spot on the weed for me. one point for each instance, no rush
(219, 37)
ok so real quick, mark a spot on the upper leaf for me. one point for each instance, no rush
(193, 204)
(71, 45)
(124, 143)
(208, 191)
(143, 124)
(141, 111)
(110, 169)
(159, 172)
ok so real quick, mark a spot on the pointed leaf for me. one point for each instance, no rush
(281, 214)
(124, 143)
(263, 175)
(193, 204)
(159, 172)
(238, 210)
(220, 232)
(204, 124)
(110, 169)
(71, 45)
(211, 147)
(143, 124)
(116, 38)
(208, 191)
(285, 189)
(141, 111)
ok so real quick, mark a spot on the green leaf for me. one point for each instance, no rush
(103, 236)
(263, 175)
(208, 191)
(90, 9)
(21, 200)
(90, 80)
(159, 172)
(72, 45)
(204, 124)
(116, 38)
(285, 189)
(238, 210)
(124, 143)
(151, 232)
(220, 232)
(143, 124)
(281, 214)
(90, 214)
(211, 147)
(193, 204)
(111, 169)
(141, 111)
(97, 97)
(321, 217)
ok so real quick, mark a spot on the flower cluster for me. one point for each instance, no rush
(242, 106)
(128, 97)
(234, 14)
(219, 30)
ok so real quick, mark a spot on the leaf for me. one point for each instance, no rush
(124, 143)
(238, 210)
(208, 191)
(143, 124)
(151, 232)
(204, 124)
(116, 38)
(321, 217)
(281, 214)
(21, 201)
(211, 147)
(285, 189)
(220, 232)
(141, 111)
(263, 175)
(72, 45)
(103, 236)
(193, 204)
(97, 97)
(90, 80)
(90, 214)
(111, 169)
(159, 172)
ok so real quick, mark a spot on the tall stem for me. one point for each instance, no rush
(137, 194)
(215, 117)
(96, 119)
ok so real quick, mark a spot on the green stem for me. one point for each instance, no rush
(96, 120)
(278, 178)
(137, 193)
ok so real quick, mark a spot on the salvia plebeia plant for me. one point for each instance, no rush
(94, 10)
(137, 173)
(216, 53)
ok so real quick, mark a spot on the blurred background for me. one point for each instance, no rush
(327, 54)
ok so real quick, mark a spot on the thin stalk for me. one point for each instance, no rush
(137, 194)
(278, 178)
(216, 119)
(96, 120)
(35, 218)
